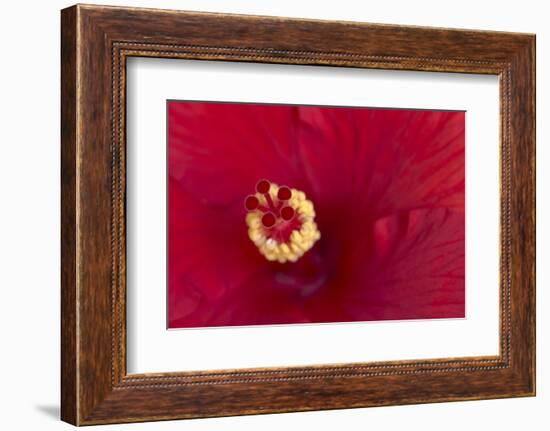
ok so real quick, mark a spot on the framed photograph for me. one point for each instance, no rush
(265, 214)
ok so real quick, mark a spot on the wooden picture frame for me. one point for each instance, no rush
(96, 41)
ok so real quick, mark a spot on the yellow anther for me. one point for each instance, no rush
(286, 240)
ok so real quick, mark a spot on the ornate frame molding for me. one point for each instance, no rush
(96, 41)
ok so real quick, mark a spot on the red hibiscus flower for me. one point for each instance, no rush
(386, 188)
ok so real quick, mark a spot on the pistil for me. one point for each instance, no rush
(281, 222)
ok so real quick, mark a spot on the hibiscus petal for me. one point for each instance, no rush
(379, 161)
(208, 252)
(219, 151)
(409, 266)
(260, 300)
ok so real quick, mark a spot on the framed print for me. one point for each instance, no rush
(317, 215)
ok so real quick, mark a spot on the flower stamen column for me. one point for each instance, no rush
(281, 222)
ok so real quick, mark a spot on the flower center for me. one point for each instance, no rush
(281, 222)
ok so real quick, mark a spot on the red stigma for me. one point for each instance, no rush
(268, 219)
(263, 187)
(287, 213)
(251, 203)
(284, 193)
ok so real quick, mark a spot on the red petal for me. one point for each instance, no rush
(381, 161)
(208, 252)
(260, 300)
(219, 151)
(410, 266)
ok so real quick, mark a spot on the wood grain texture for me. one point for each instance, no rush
(96, 41)
(69, 397)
